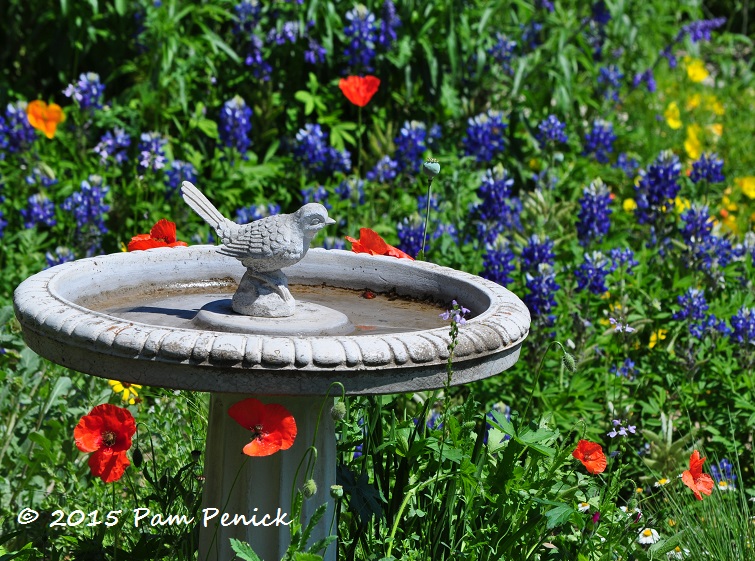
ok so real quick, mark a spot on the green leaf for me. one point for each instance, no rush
(29, 363)
(244, 550)
(299, 556)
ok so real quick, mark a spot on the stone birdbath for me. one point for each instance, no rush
(164, 317)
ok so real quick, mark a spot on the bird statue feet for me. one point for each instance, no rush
(264, 295)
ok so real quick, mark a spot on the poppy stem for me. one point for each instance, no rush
(427, 216)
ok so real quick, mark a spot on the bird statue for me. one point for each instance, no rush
(263, 246)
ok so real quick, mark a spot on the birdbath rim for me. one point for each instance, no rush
(60, 329)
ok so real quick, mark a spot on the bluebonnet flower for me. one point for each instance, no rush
(626, 370)
(422, 202)
(314, 152)
(700, 30)
(441, 229)
(498, 262)
(628, 165)
(609, 78)
(502, 51)
(551, 130)
(384, 171)
(351, 188)
(261, 69)
(236, 124)
(112, 146)
(61, 255)
(435, 420)
(315, 52)
(537, 252)
(531, 34)
(88, 208)
(317, 194)
(708, 168)
(40, 210)
(434, 135)
(723, 474)
(151, 152)
(593, 220)
(658, 187)
(178, 173)
(498, 210)
(87, 92)
(600, 13)
(41, 176)
(595, 35)
(591, 274)
(389, 23)
(599, 141)
(485, 138)
(332, 242)
(248, 15)
(410, 146)
(15, 130)
(669, 55)
(3, 224)
(361, 34)
(743, 326)
(706, 249)
(646, 78)
(622, 257)
(541, 292)
(693, 305)
(546, 5)
(255, 212)
(409, 232)
(620, 430)
(288, 33)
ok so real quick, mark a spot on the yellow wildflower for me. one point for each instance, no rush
(692, 145)
(693, 101)
(534, 164)
(629, 205)
(747, 184)
(681, 204)
(671, 522)
(673, 116)
(640, 490)
(657, 336)
(717, 129)
(712, 103)
(696, 69)
(126, 390)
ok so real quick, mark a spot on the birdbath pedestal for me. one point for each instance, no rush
(160, 318)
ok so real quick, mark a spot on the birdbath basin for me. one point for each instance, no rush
(162, 318)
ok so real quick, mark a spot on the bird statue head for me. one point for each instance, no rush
(312, 218)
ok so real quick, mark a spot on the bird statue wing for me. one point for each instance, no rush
(260, 239)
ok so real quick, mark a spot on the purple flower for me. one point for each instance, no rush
(621, 257)
(620, 430)
(704, 248)
(255, 212)
(497, 211)
(743, 327)
(485, 138)
(248, 15)
(627, 369)
(288, 33)
(151, 152)
(609, 78)
(61, 255)
(537, 253)
(700, 30)
(551, 131)
(113, 146)
(723, 471)
(628, 165)
(256, 60)
(315, 53)
(541, 292)
(646, 78)
(235, 124)
(591, 274)
(410, 146)
(708, 168)
(593, 220)
(316, 155)
(599, 141)
(87, 92)
(455, 314)
(351, 188)
(3, 224)
(16, 133)
(361, 34)
(317, 194)
(178, 173)
(658, 187)
(620, 327)
(88, 208)
(502, 51)
(409, 232)
(388, 25)
(693, 305)
(40, 210)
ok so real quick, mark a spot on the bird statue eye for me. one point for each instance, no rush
(316, 220)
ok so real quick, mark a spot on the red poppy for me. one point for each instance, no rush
(591, 455)
(370, 242)
(695, 479)
(163, 234)
(273, 426)
(359, 89)
(45, 117)
(106, 433)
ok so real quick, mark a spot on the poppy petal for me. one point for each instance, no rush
(144, 241)
(108, 467)
(88, 433)
(279, 420)
(248, 413)
(264, 446)
(164, 230)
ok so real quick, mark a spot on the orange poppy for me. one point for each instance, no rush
(273, 426)
(591, 455)
(106, 432)
(359, 89)
(695, 479)
(370, 242)
(45, 117)
(163, 234)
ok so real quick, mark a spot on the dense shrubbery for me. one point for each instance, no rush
(594, 159)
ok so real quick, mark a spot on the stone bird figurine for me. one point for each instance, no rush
(263, 247)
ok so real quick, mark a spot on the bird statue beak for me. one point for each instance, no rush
(329, 221)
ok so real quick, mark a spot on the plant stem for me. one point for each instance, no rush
(427, 215)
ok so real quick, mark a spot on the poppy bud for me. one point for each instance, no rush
(569, 363)
(309, 488)
(138, 457)
(431, 168)
(336, 491)
(338, 412)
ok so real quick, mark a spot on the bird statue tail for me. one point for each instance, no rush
(204, 208)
